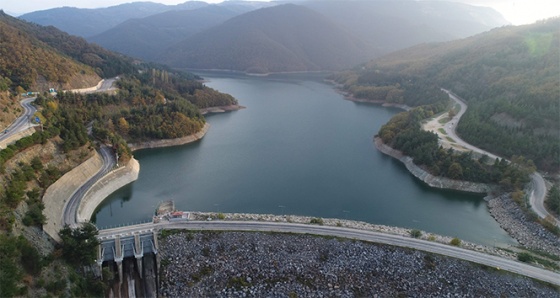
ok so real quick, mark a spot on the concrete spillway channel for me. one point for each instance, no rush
(135, 282)
(131, 259)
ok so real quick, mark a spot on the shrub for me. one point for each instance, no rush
(415, 233)
(316, 221)
(525, 257)
(455, 241)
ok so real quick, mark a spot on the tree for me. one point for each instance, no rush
(553, 199)
(36, 163)
(10, 272)
(123, 126)
(455, 241)
(455, 171)
(415, 233)
(80, 244)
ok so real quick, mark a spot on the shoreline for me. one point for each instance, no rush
(171, 142)
(429, 179)
(221, 109)
(193, 70)
(348, 96)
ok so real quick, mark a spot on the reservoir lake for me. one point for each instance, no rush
(298, 148)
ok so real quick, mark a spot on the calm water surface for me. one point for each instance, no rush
(298, 148)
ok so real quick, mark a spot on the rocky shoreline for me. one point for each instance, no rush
(431, 180)
(516, 223)
(245, 264)
(171, 142)
(221, 109)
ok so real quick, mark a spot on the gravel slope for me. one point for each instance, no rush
(240, 264)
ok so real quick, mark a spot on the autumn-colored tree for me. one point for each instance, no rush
(123, 126)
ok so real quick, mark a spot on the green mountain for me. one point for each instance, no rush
(280, 38)
(88, 22)
(508, 76)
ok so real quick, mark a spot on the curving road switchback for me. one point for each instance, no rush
(22, 122)
(537, 197)
(71, 208)
(538, 192)
(451, 126)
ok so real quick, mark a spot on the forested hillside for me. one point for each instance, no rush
(27, 62)
(146, 38)
(152, 103)
(508, 76)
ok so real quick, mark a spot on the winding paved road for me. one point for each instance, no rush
(451, 126)
(538, 192)
(70, 212)
(22, 122)
(71, 207)
(370, 236)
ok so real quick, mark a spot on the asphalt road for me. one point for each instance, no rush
(71, 207)
(451, 126)
(22, 122)
(537, 197)
(370, 236)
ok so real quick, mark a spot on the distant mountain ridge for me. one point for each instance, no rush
(333, 35)
(146, 38)
(282, 38)
(88, 22)
(395, 25)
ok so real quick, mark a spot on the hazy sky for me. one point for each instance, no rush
(516, 11)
